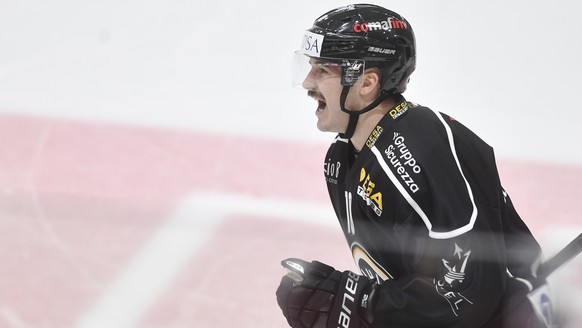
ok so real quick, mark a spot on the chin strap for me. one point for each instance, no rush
(355, 115)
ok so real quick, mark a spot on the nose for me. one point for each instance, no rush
(309, 82)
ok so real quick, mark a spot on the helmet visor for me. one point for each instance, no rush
(308, 70)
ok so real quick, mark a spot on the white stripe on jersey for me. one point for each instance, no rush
(350, 218)
(414, 204)
(468, 226)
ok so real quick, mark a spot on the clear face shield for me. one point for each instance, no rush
(309, 67)
(308, 70)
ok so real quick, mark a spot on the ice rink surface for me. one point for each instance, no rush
(156, 165)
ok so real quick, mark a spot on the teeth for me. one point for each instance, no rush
(320, 104)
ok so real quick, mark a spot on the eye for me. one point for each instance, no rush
(326, 69)
(319, 70)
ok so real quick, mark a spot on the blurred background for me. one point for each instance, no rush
(156, 164)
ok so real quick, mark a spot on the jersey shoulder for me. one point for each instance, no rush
(417, 153)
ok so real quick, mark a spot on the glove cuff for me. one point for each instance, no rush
(351, 302)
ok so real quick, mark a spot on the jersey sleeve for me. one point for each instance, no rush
(456, 282)
(452, 243)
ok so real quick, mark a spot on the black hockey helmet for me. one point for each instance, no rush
(362, 36)
(380, 37)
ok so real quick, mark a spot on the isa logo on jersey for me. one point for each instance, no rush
(311, 45)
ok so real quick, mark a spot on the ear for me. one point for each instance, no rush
(371, 84)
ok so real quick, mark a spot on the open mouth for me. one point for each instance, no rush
(321, 103)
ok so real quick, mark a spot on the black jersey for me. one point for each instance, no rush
(425, 215)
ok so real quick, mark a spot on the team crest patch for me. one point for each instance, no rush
(449, 284)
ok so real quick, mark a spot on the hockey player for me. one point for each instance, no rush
(435, 236)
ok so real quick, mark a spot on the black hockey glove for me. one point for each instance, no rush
(315, 295)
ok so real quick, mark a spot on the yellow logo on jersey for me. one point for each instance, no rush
(399, 110)
(374, 136)
(366, 191)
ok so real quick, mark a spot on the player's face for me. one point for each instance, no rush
(323, 85)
